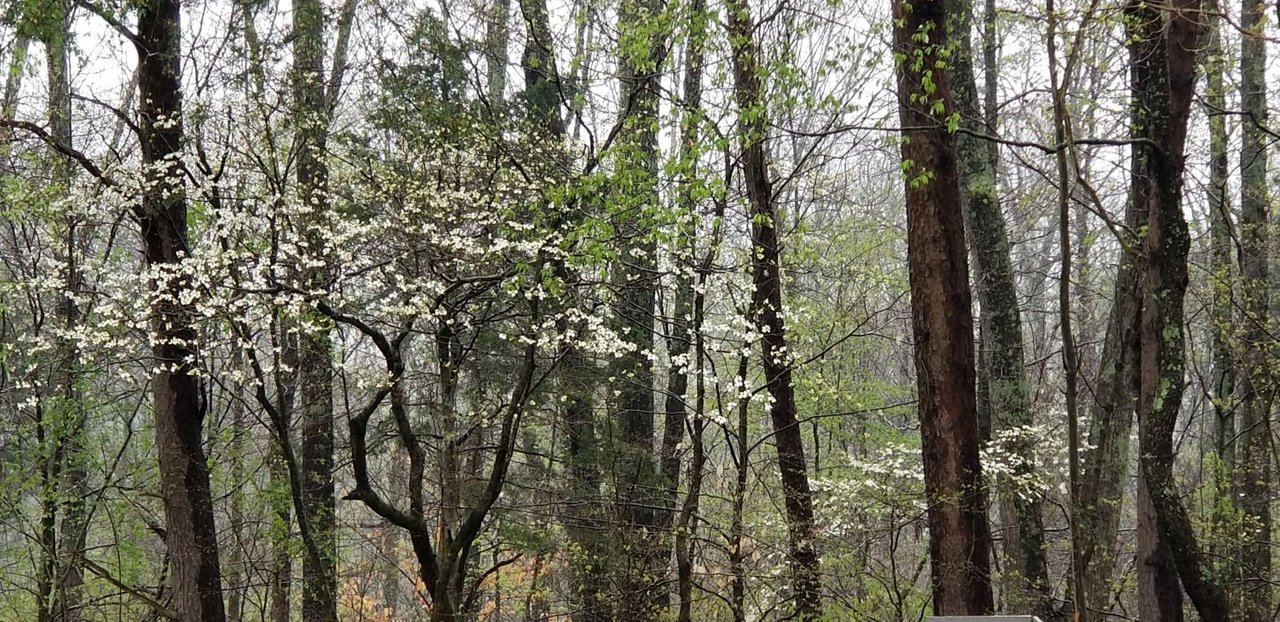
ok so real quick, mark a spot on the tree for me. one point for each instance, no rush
(1222, 269)
(68, 599)
(641, 57)
(959, 542)
(687, 323)
(768, 313)
(619, 315)
(314, 98)
(191, 535)
(1253, 474)
(1163, 69)
(1003, 388)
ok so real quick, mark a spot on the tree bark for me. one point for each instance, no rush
(69, 597)
(234, 569)
(1002, 361)
(1106, 464)
(496, 37)
(1159, 593)
(541, 76)
(1225, 534)
(959, 541)
(1162, 58)
(191, 535)
(767, 307)
(641, 56)
(9, 105)
(311, 116)
(1063, 134)
(737, 529)
(575, 377)
(1253, 472)
(280, 579)
(686, 325)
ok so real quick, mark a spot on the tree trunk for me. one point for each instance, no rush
(1162, 57)
(1253, 473)
(737, 530)
(1159, 594)
(191, 535)
(280, 580)
(575, 377)
(680, 329)
(959, 541)
(1067, 163)
(12, 85)
(235, 568)
(642, 53)
(68, 600)
(541, 76)
(690, 302)
(1106, 464)
(1225, 534)
(1001, 357)
(496, 37)
(766, 301)
(315, 388)
(57, 424)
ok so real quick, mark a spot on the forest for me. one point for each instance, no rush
(637, 310)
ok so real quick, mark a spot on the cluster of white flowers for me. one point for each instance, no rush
(888, 481)
(1029, 461)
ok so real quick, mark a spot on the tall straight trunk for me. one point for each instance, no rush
(766, 302)
(255, 75)
(315, 365)
(1002, 360)
(541, 75)
(959, 541)
(319, 566)
(1158, 590)
(1106, 463)
(9, 105)
(1220, 225)
(50, 474)
(235, 568)
(679, 344)
(642, 53)
(1067, 163)
(1253, 473)
(687, 323)
(496, 37)
(1162, 57)
(681, 329)
(191, 535)
(280, 577)
(58, 426)
(575, 376)
(990, 77)
(69, 597)
(1221, 270)
(1105, 466)
(742, 471)
(686, 527)
(585, 517)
